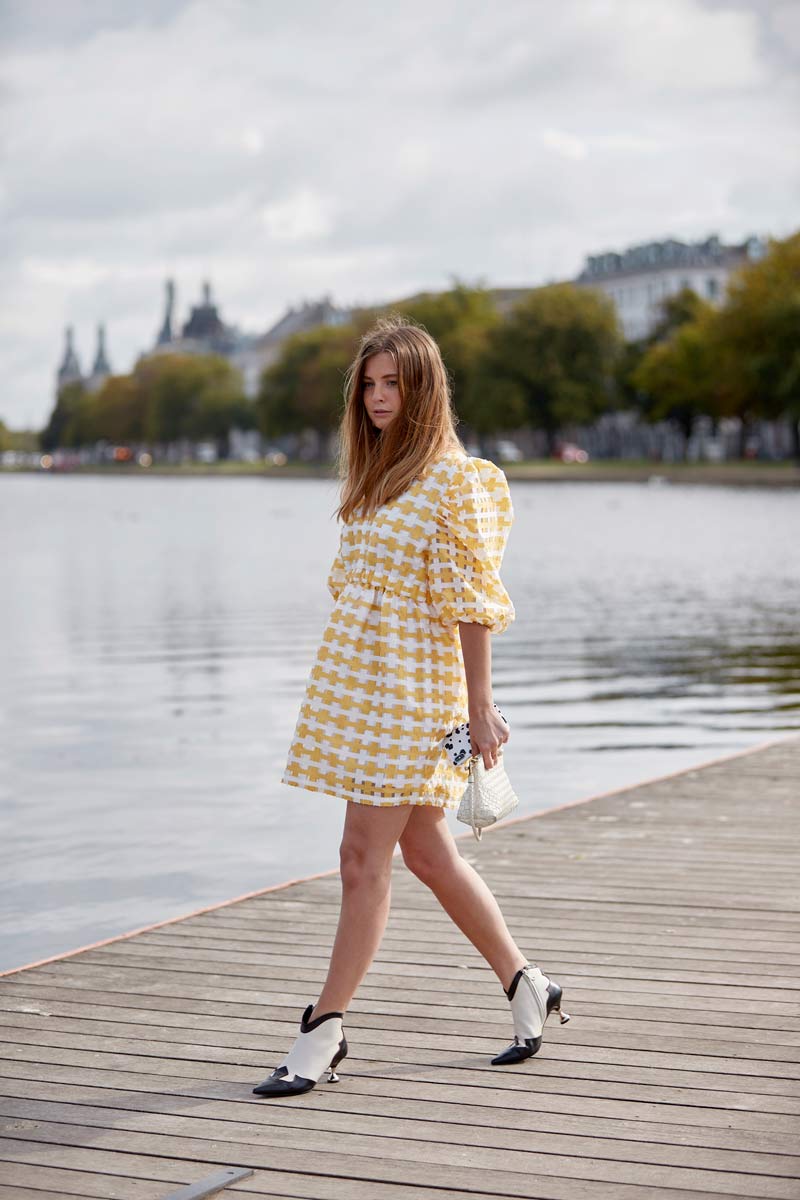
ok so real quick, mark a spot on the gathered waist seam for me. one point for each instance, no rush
(371, 585)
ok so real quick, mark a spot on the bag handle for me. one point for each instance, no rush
(471, 789)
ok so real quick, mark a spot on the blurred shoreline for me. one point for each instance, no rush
(736, 474)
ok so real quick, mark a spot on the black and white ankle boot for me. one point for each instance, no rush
(320, 1046)
(532, 997)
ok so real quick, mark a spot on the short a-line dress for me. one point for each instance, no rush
(388, 682)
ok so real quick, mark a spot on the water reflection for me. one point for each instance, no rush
(158, 634)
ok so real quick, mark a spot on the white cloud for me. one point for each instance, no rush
(415, 157)
(565, 144)
(302, 215)
(288, 151)
(682, 46)
(626, 143)
(252, 140)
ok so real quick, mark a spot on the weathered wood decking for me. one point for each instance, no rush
(670, 913)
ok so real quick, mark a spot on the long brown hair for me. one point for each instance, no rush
(376, 465)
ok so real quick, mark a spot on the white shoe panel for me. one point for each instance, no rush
(313, 1051)
(529, 1004)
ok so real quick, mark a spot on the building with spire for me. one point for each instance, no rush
(205, 332)
(101, 368)
(165, 332)
(70, 368)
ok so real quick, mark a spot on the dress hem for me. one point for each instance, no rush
(343, 794)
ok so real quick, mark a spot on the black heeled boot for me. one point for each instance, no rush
(532, 997)
(320, 1046)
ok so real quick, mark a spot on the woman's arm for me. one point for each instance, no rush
(487, 729)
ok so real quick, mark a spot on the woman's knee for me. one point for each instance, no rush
(428, 859)
(362, 865)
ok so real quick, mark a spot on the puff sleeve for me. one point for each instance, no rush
(473, 521)
(336, 575)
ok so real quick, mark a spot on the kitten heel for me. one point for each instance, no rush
(341, 1052)
(319, 1042)
(532, 997)
(554, 994)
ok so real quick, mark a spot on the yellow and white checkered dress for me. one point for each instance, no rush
(388, 682)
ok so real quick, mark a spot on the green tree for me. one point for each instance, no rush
(674, 312)
(82, 427)
(551, 361)
(303, 388)
(190, 396)
(23, 441)
(678, 375)
(740, 360)
(119, 410)
(220, 403)
(65, 414)
(758, 338)
(461, 322)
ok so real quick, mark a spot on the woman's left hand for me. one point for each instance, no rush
(487, 733)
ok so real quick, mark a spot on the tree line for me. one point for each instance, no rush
(166, 398)
(556, 357)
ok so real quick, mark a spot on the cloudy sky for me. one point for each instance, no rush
(288, 150)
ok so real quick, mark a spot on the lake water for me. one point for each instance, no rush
(157, 635)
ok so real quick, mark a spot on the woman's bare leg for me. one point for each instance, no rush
(368, 843)
(430, 851)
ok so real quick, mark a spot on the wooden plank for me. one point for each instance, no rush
(41, 996)
(722, 929)
(560, 1092)
(546, 1110)
(252, 964)
(154, 1177)
(417, 1118)
(158, 1020)
(250, 1035)
(426, 1140)
(470, 1067)
(375, 1042)
(554, 909)
(675, 931)
(395, 1159)
(424, 942)
(187, 986)
(424, 982)
(328, 1184)
(163, 1022)
(14, 1192)
(479, 999)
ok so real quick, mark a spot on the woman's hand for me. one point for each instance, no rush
(487, 729)
(487, 733)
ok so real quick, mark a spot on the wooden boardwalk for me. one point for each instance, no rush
(669, 912)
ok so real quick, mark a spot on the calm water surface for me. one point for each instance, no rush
(157, 635)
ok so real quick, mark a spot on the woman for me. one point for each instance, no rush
(405, 657)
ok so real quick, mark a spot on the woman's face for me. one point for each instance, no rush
(381, 391)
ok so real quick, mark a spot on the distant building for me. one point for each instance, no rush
(638, 279)
(101, 369)
(311, 314)
(206, 333)
(70, 369)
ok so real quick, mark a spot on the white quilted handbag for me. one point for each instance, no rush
(488, 796)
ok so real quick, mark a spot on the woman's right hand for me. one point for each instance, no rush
(488, 732)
